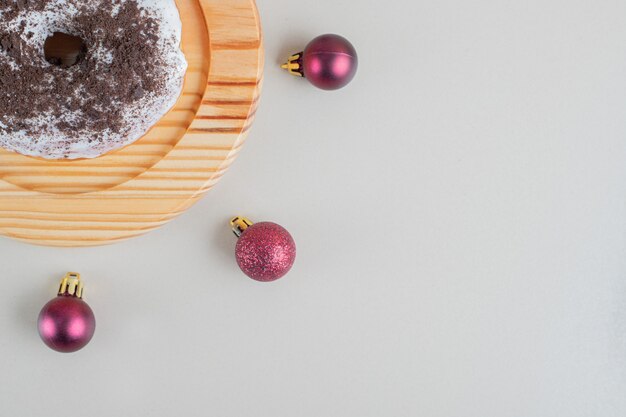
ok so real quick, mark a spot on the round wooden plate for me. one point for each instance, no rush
(136, 189)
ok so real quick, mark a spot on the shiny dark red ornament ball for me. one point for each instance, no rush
(329, 62)
(265, 251)
(67, 323)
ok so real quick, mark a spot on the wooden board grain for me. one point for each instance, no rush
(139, 188)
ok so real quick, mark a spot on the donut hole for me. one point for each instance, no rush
(64, 50)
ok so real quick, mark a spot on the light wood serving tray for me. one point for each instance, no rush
(136, 189)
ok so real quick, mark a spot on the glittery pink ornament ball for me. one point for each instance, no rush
(265, 251)
(66, 324)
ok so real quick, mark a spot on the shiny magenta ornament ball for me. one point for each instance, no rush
(66, 324)
(329, 62)
(265, 251)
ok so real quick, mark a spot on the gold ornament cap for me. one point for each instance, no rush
(71, 285)
(240, 224)
(294, 65)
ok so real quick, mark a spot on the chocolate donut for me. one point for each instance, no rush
(125, 73)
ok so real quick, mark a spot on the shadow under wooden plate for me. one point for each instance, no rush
(142, 186)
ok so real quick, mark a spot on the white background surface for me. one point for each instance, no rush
(460, 214)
